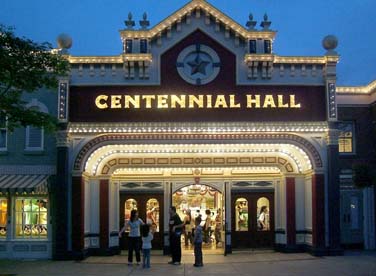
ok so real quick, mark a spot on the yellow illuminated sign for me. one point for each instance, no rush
(195, 101)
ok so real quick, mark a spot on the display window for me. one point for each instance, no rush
(263, 218)
(3, 217)
(152, 213)
(241, 214)
(31, 218)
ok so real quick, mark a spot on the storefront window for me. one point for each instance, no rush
(31, 218)
(152, 213)
(241, 214)
(263, 218)
(3, 217)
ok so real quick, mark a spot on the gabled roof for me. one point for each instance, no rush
(206, 9)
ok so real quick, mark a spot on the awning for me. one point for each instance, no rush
(21, 183)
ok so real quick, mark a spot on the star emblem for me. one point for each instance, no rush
(198, 65)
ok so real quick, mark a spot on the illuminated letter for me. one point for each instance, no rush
(148, 99)
(196, 100)
(220, 101)
(162, 101)
(209, 99)
(232, 102)
(134, 101)
(280, 102)
(292, 102)
(176, 100)
(255, 101)
(98, 101)
(115, 101)
(269, 101)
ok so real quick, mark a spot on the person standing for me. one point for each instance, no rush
(134, 237)
(198, 243)
(188, 225)
(207, 227)
(176, 228)
(218, 227)
(147, 237)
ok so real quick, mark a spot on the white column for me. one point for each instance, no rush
(167, 201)
(280, 211)
(113, 209)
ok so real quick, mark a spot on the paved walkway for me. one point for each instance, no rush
(244, 263)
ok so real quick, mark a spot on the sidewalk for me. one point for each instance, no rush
(242, 263)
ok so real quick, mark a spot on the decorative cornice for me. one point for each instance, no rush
(291, 59)
(96, 59)
(187, 10)
(235, 127)
(62, 138)
(364, 90)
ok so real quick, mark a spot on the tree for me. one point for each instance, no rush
(25, 67)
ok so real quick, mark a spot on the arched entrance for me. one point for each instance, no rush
(150, 175)
(206, 202)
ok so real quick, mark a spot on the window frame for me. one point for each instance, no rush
(353, 144)
(6, 217)
(27, 140)
(14, 220)
(5, 148)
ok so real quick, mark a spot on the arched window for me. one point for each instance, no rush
(152, 213)
(241, 214)
(263, 217)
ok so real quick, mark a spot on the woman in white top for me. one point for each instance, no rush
(262, 224)
(134, 237)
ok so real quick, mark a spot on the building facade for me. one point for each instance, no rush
(197, 112)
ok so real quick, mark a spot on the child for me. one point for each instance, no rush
(198, 242)
(147, 237)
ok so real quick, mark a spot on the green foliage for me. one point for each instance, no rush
(363, 175)
(26, 66)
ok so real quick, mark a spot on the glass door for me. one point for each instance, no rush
(252, 220)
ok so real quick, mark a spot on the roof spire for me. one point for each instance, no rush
(129, 23)
(265, 24)
(251, 23)
(144, 23)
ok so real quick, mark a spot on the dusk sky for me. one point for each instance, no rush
(301, 25)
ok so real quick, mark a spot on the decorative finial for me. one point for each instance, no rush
(330, 42)
(251, 23)
(64, 42)
(129, 23)
(144, 23)
(265, 24)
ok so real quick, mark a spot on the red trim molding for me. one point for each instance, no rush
(290, 211)
(103, 213)
(78, 213)
(318, 211)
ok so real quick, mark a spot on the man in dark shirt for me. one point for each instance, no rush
(176, 227)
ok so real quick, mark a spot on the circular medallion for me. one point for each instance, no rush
(198, 64)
